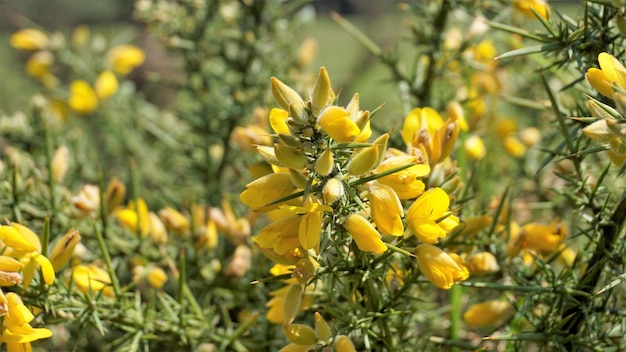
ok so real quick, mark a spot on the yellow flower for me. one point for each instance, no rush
(514, 147)
(475, 147)
(90, 278)
(611, 73)
(124, 58)
(38, 65)
(426, 215)
(106, 85)
(87, 201)
(60, 163)
(278, 121)
(16, 331)
(267, 189)
(135, 217)
(526, 7)
(546, 238)
(420, 118)
(405, 183)
(439, 267)
(336, 122)
(344, 344)
(29, 39)
(482, 263)
(83, 98)
(9, 271)
(275, 313)
(487, 313)
(387, 211)
(174, 220)
(155, 276)
(25, 245)
(364, 234)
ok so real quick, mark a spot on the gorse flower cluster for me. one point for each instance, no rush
(332, 192)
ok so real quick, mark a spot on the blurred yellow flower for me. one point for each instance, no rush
(526, 8)
(60, 163)
(135, 217)
(124, 58)
(62, 252)
(439, 267)
(364, 234)
(336, 122)
(83, 98)
(475, 147)
(429, 218)
(106, 85)
(38, 65)
(406, 183)
(29, 39)
(90, 278)
(487, 313)
(610, 74)
(174, 221)
(267, 189)
(482, 263)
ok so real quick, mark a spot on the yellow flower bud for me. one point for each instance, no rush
(64, 248)
(300, 334)
(29, 39)
(158, 232)
(364, 234)
(267, 189)
(240, 262)
(325, 163)
(287, 98)
(80, 36)
(290, 157)
(174, 220)
(322, 329)
(9, 264)
(321, 93)
(268, 154)
(106, 85)
(487, 313)
(514, 147)
(60, 163)
(599, 131)
(363, 161)
(114, 194)
(156, 277)
(475, 147)
(333, 190)
(530, 136)
(344, 344)
(291, 303)
(526, 8)
(278, 121)
(438, 267)
(38, 65)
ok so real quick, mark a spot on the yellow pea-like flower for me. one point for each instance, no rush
(124, 58)
(424, 217)
(267, 189)
(336, 122)
(611, 73)
(439, 267)
(487, 313)
(387, 211)
(526, 8)
(29, 39)
(482, 263)
(83, 98)
(364, 234)
(106, 85)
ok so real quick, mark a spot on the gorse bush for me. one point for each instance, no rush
(264, 209)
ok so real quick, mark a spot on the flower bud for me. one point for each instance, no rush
(240, 262)
(325, 163)
(106, 85)
(114, 194)
(290, 157)
(156, 277)
(60, 163)
(29, 39)
(300, 334)
(344, 344)
(475, 147)
(482, 263)
(174, 220)
(333, 190)
(322, 329)
(286, 97)
(321, 92)
(487, 313)
(364, 234)
(363, 161)
(291, 303)
(63, 250)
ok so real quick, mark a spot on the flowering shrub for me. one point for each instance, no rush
(264, 209)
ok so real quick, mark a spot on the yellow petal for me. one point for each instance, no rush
(310, 229)
(16, 239)
(438, 267)
(278, 121)
(387, 210)
(600, 82)
(29, 39)
(47, 271)
(364, 234)
(266, 190)
(336, 122)
(83, 98)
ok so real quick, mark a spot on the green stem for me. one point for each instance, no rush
(456, 292)
(107, 260)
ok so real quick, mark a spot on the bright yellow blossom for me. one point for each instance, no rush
(90, 278)
(106, 85)
(336, 122)
(406, 183)
(610, 74)
(526, 7)
(135, 217)
(387, 211)
(25, 245)
(83, 98)
(267, 189)
(29, 39)
(124, 58)
(16, 330)
(487, 313)
(439, 267)
(428, 216)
